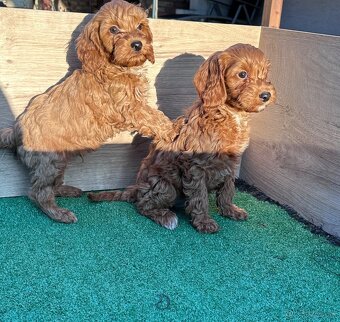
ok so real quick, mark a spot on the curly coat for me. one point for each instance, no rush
(106, 96)
(204, 157)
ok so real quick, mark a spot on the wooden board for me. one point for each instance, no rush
(37, 50)
(294, 154)
(272, 11)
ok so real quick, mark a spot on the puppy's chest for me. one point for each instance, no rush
(229, 136)
(234, 138)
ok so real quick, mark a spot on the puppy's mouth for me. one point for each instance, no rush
(142, 49)
(260, 108)
(134, 55)
(250, 108)
(150, 56)
(147, 52)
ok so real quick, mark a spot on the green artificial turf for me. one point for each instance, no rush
(115, 265)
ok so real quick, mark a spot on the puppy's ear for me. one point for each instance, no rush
(89, 49)
(209, 81)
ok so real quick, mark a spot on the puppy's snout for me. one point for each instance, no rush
(265, 96)
(136, 45)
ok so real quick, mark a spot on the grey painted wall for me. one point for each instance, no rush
(320, 16)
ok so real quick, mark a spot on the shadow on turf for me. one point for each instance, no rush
(245, 187)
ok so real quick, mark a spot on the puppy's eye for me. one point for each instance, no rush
(242, 74)
(114, 30)
(140, 26)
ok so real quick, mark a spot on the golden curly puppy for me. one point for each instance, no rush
(106, 96)
(204, 157)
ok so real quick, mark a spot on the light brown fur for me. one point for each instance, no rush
(205, 155)
(106, 96)
(103, 98)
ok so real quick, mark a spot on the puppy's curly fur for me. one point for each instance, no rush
(204, 157)
(106, 96)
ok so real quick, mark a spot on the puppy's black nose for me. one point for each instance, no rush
(136, 45)
(265, 96)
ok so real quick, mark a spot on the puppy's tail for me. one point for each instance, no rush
(129, 195)
(7, 138)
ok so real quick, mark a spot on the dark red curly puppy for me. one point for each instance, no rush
(231, 84)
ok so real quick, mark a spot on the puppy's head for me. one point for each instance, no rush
(118, 34)
(236, 77)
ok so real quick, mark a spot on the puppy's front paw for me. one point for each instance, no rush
(168, 220)
(235, 213)
(178, 123)
(170, 136)
(173, 132)
(205, 225)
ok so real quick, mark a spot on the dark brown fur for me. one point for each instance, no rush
(106, 96)
(205, 155)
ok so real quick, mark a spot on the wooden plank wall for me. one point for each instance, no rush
(294, 154)
(35, 54)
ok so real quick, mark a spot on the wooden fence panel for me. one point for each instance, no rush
(294, 154)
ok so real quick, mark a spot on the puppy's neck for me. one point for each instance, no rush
(225, 113)
(110, 71)
(237, 115)
(123, 69)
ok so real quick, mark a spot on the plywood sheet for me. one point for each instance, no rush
(37, 50)
(294, 153)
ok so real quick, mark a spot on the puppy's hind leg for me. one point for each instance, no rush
(224, 200)
(46, 169)
(154, 201)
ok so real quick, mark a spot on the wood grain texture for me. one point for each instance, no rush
(37, 51)
(272, 11)
(294, 153)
